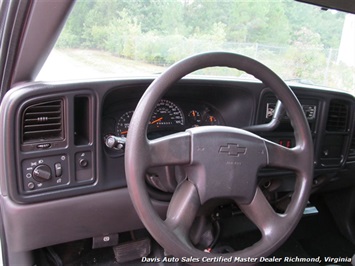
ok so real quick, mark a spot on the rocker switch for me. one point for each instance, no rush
(58, 169)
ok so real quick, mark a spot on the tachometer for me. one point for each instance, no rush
(166, 114)
(123, 124)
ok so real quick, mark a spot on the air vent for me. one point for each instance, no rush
(351, 156)
(43, 122)
(337, 117)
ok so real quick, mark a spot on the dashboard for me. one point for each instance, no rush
(71, 138)
(59, 155)
(73, 142)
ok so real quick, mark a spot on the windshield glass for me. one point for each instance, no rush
(302, 43)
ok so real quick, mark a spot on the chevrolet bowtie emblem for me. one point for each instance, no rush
(233, 150)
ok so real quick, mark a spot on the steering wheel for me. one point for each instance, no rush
(220, 162)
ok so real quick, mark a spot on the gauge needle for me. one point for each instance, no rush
(156, 120)
(124, 132)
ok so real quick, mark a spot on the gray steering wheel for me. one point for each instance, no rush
(220, 162)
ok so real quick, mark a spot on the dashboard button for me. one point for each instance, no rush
(31, 185)
(83, 163)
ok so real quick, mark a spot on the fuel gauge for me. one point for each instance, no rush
(194, 118)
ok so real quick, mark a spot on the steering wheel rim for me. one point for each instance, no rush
(181, 149)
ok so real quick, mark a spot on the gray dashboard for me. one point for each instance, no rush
(57, 167)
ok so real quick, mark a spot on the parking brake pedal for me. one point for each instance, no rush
(132, 250)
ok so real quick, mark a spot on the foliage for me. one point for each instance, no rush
(273, 22)
(306, 56)
(161, 32)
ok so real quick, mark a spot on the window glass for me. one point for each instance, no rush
(300, 42)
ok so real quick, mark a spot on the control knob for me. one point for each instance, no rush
(42, 173)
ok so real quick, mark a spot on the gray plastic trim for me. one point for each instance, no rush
(38, 225)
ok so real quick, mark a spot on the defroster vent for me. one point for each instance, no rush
(43, 122)
(338, 116)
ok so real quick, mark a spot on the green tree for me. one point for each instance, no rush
(326, 23)
(72, 32)
(306, 56)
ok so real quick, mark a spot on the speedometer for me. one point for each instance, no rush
(166, 115)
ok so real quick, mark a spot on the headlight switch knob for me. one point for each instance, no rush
(42, 173)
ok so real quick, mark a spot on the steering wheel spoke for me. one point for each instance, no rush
(260, 212)
(170, 150)
(182, 210)
(282, 157)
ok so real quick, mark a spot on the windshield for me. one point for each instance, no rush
(302, 43)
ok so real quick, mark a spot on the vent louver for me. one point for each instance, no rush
(351, 156)
(338, 117)
(43, 122)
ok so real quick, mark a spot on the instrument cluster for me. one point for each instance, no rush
(168, 117)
